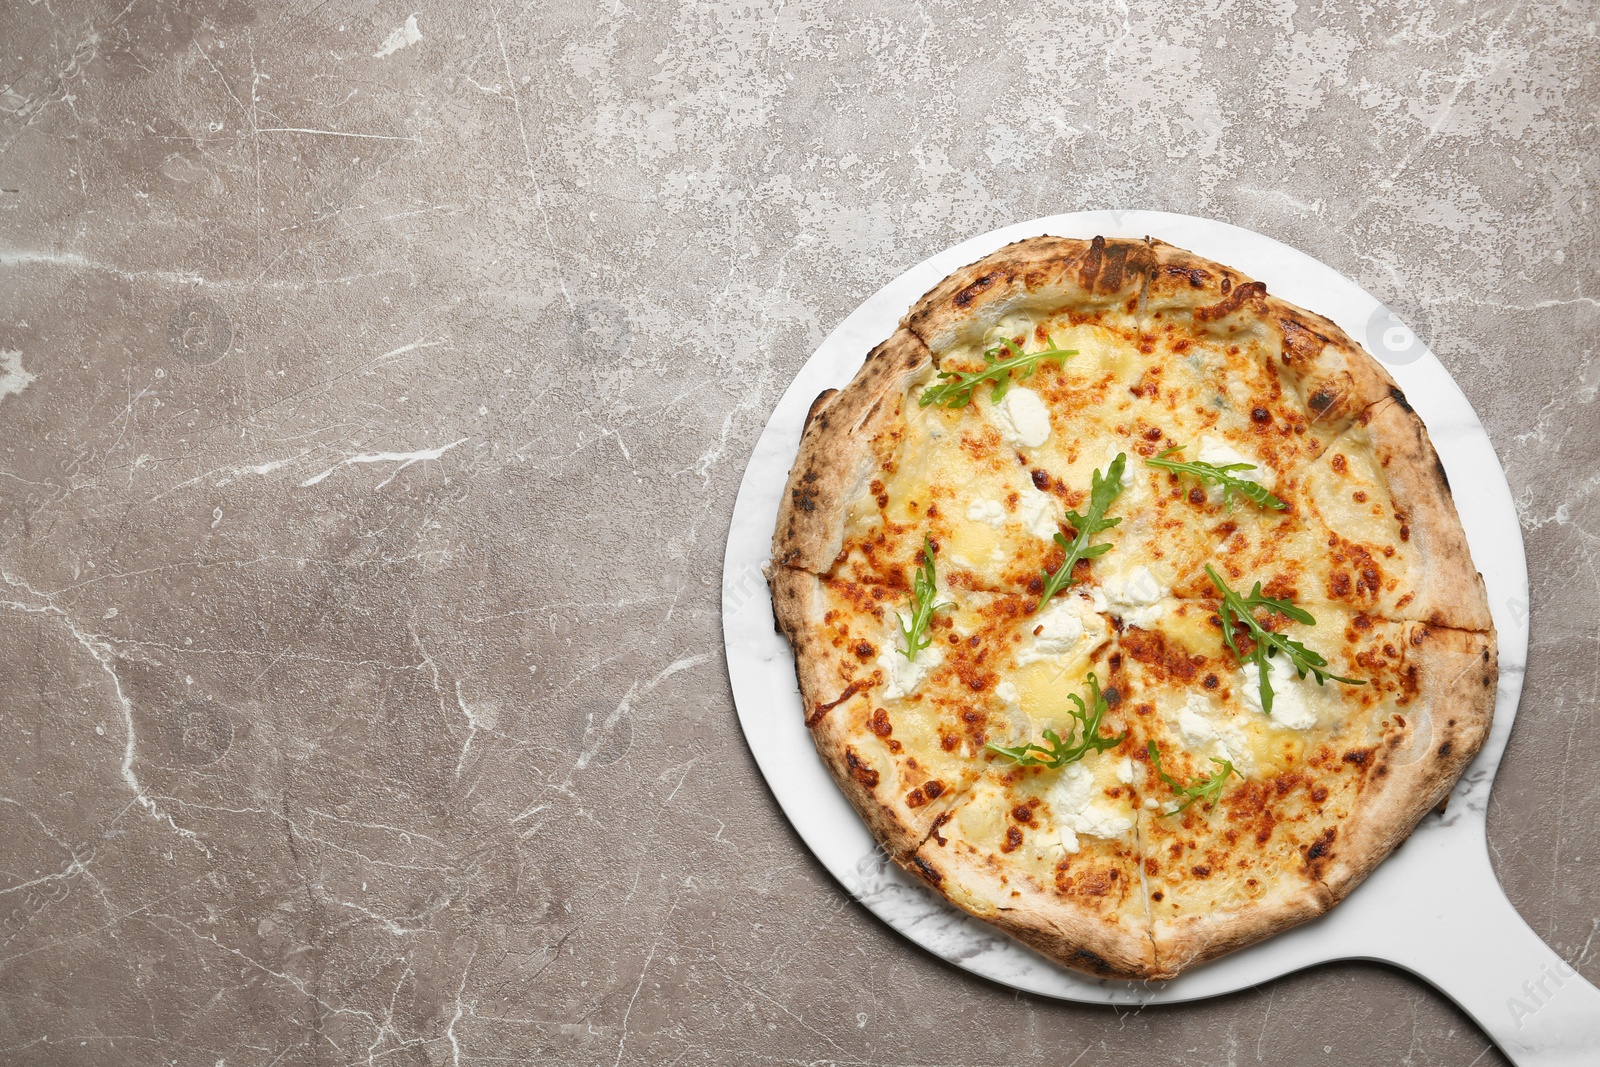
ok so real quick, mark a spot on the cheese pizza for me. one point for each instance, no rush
(1129, 604)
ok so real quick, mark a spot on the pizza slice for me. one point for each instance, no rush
(1045, 844)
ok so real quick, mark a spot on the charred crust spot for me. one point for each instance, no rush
(975, 289)
(916, 798)
(1210, 681)
(1321, 400)
(933, 831)
(1158, 896)
(821, 710)
(1319, 793)
(880, 723)
(1041, 480)
(925, 869)
(864, 650)
(1399, 397)
(1200, 870)
(1013, 840)
(859, 769)
(933, 788)
(1446, 748)
(1089, 270)
(1090, 960)
(1339, 463)
(1260, 415)
(1358, 756)
(818, 404)
(1443, 477)
(1232, 302)
(1321, 848)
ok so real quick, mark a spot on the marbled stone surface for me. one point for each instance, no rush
(374, 388)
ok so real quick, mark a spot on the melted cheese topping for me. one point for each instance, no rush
(991, 484)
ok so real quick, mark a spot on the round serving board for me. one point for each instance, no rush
(1416, 910)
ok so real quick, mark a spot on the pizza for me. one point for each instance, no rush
(1129, 604)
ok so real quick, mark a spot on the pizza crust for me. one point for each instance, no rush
(1446, 588)
(1182, 943)
(1334, 377)
(836, 458)
(841, 695)
(1036, 274)
(1414, 769)
(1070, 934)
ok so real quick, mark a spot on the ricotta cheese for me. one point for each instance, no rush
(1289, 707)
(1125, 771)
(1135, 485)
(1135, 595)
(1039, 513)
(903, 675)
(990, 511)
(1021, 417)
(1200, 728)
(1072, 800)
(1056, 631)
(1220, 453)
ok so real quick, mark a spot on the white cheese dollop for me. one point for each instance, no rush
(1135, 595)
(1019, 727)
(1135, 475)
(1220, 453)
(1289, 707)
(1125, 771)
(1039, 513)
(990, 511)
(1194, 726)
(1200, 727)
(903, 675)
(1072, 800)
(1021, 417)
(1056, 631)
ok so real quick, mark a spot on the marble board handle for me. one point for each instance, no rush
(1457, 930)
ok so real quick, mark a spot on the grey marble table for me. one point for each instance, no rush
(374, 386)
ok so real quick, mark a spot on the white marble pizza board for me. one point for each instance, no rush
(1434, 908)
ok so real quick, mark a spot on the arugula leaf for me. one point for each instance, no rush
(1207, 787)
(1058, 753)
(1223, 476)
(924, 590)
(1239, 610)
(957, 392)
(1102, 491)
